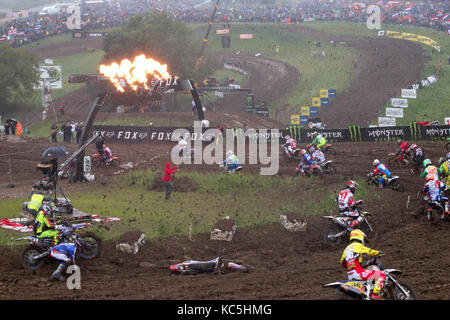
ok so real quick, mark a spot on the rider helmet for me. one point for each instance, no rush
(358, 235)
(287, 137)
(430, 177)
(302, 152)
(376, 162)
(229, 153)
(413, 146)
(351, 185)
(441, 160)
(426, 163)
(311, 149)
(399, 141)
(315, 133)
(46, 209)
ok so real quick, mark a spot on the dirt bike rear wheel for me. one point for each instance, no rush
(394, 293)
(27, 254)
(115, 162)
(330, 169)
(332, 230)
(93, 247)
(397, 186)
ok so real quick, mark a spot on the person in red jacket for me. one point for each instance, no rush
(168, 177)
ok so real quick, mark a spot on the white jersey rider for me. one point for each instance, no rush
(317, 156)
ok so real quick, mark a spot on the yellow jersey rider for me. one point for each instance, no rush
(318, 140)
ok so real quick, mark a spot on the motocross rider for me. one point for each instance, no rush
(319, 140)
(429, 169)
(232, 161)
(289, 146)
(351, 261)
(65, 253)
(107, 154)
(305, 162)
(382, 171)
(402, 151)
(433, 188)
(444, 171)
(347, 204)
(43, 227)
(417, 154)
(181, 145)
(317, 156)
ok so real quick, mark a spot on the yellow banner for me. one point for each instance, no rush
(412, 37)
(324, 93)
(316, 102)
(295, 119)
(304, 111)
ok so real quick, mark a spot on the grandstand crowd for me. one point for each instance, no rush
(34, 26)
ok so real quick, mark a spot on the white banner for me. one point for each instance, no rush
(386, 122)
(52, 76)
(447, 121)
(400, 103)
(394, 112)
(409, 93)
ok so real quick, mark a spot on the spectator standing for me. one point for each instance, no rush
(168, 177)
(7, 126)
(61, 108)
(79, 129)
(13, 127)
(54, 132)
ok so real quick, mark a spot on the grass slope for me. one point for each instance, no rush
(432, 102)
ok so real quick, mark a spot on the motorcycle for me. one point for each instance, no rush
(314, 170)
(339, 229)
(391, 182)
(293, 156)
(438, 206)
(97, 159)
(361, 290)
(396, 160)
(226, 170)
(216, 265)
(328, 167)
(39, 249)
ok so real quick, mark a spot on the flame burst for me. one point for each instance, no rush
(136, 74)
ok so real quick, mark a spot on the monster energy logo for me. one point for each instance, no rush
(355, 132)
(416, 131)
(294, 132)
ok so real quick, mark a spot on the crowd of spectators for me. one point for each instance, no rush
(434, 14)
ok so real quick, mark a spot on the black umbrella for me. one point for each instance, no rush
(55, 152)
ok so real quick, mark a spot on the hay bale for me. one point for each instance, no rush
(224, 229)
(292, 223)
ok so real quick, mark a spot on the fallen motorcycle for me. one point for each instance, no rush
(97, 159)
(35, 254)
(391, 182)
(361, 290)
(230, 171)
(216, 265)
(339, 229)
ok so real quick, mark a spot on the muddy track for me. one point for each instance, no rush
(286, 265)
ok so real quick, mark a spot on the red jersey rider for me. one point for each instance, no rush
(289, 146)
(403, 150)
(347, 204)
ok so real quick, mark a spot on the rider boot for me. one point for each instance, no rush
(57, 274)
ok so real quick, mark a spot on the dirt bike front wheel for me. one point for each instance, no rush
(91, 246)
(115, 162)
(330, 169)
(395, 293)
(329, 235)
(28, 260)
